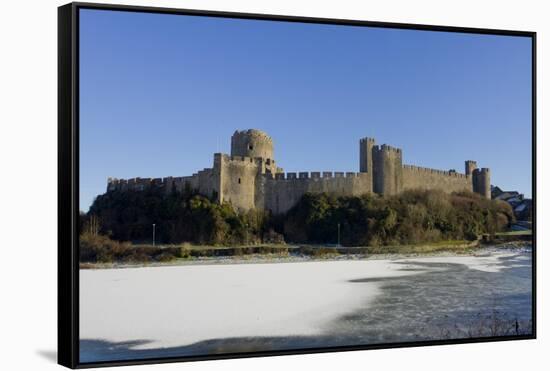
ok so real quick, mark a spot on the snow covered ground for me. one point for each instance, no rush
(175, 306)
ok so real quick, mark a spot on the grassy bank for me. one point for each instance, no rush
(457, 246)
(172, 254)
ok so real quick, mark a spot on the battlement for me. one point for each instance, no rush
(137, 184)
(141, 184)
(367, 140)
(314, 175)
(386, 148)
(255, 133)
(419, 169)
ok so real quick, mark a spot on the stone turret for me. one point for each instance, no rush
(252, 143)
(365, 154)
(470, 166)
(482, 182)
(387, 170)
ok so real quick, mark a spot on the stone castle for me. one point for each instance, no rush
(249, 178)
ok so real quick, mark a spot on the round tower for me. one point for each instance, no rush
(252, 143)
(387, 170)
(482, 182)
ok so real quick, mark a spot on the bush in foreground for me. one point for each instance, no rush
(102, 249)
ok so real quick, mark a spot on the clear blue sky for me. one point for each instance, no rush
(159, 94)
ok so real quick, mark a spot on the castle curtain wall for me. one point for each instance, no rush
(283, 192)
(415, 177)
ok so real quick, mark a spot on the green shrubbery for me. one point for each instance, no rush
(179, 217)
(409, 218)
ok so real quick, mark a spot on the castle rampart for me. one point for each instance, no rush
(250, 179)
(431, 179)
(282, 192)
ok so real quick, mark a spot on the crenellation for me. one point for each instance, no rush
(315, 176)
(419, 169)
(387, 148)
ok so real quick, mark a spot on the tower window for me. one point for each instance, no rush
(239, 180)
(250, 147)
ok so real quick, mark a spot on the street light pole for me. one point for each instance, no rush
(338, 234)
(154, 234)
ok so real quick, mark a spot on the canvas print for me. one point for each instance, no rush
(259, 185)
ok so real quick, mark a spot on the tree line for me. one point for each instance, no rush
(368, 220)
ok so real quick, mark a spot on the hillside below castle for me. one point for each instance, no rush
(250, 179)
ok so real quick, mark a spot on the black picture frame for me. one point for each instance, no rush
(68, 179)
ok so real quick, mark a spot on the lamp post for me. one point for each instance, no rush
(338, 234)
(154, 225)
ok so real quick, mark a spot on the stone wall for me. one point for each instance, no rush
(281, 192)
(415, 177)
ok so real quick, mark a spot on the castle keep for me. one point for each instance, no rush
(249, 178)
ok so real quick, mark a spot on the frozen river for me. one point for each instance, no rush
(172, 311)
